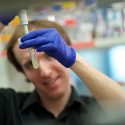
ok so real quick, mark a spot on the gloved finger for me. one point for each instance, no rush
(45, 48)
(34, 42)
(34, 34)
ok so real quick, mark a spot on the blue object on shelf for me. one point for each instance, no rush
(57, 7)
(90, 2)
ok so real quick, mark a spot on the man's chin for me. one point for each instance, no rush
(56, 96)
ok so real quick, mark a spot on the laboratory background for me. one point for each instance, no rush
(97, 31)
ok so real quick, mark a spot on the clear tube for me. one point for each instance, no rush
(32, 52)
(24, 23)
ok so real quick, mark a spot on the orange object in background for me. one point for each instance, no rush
(15, 21)
(7, 35)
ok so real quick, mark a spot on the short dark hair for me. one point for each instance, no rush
(36, 24)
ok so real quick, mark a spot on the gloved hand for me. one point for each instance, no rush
(50, 41)
(7, 17)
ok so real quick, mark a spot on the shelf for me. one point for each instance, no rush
(100, 43)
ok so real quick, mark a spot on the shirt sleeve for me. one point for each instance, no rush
(3, 106)
(96, 112)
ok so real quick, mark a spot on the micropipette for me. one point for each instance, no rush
(24, 22)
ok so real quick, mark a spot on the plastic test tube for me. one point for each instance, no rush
(24, 22)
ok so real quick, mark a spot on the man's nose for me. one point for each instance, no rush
(45, 68)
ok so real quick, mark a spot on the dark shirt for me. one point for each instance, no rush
(24, 109)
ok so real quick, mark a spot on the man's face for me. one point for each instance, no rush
(51, 79)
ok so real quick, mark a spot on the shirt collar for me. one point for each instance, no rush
(33, 98)
(75, 98)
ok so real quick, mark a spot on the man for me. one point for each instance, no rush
(56, 97)
(54, 100)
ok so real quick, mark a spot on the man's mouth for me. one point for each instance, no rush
(51, 82)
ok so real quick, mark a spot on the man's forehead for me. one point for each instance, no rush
(21, 55)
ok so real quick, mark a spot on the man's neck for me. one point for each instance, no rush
(56, 106)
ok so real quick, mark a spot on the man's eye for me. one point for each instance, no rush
(29, 65)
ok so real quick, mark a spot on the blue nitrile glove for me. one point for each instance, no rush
(50, 41)
(7, 17)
